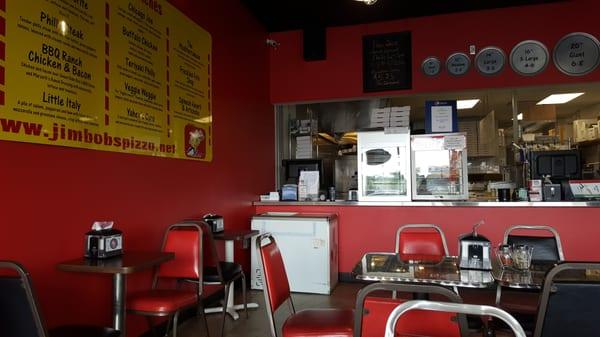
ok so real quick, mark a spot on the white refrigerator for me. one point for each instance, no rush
(308, 245)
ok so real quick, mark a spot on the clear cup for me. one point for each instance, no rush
(505, 255)
(521, 256)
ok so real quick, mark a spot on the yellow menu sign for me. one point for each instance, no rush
(123, 76)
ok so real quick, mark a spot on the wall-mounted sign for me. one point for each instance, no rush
(441, 116)
(490, 60)
(529, 58)
(387, 62)
(431, 66)
(577, 54)
(458, 64)
(120, 76)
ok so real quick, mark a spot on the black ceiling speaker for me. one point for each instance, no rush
(315, 43)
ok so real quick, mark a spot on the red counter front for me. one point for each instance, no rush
(372, 228)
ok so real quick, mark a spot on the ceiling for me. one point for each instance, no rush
(278, 15)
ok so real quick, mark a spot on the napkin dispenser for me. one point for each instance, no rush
(475, 251)
(103, 241)
(215, 222)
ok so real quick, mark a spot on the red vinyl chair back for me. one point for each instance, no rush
(275, 279)
(210, 258)
(185, 240)
(372, 313)
(421, 242)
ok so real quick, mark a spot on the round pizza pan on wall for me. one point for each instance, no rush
(529, 57)
(577, 54)
(458, 64)
(431, 66)
(490, 60)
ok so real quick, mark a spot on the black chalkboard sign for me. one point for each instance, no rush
(387, 62)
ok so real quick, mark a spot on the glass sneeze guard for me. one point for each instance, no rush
(439, 163)
(383, 166)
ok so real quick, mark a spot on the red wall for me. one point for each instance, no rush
(51, 195)
(340, 75)
(372, 229)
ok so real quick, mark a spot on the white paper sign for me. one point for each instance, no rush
(308, 185)
(441, 118)
(456, 142)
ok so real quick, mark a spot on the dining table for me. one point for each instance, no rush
(119, 266)
(389, 267)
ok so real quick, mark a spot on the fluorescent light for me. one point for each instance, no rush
(560, 98)
(368, 2)
(466, 103)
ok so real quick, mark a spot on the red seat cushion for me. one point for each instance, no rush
(161, 300)
(319, 322)
(412, 323)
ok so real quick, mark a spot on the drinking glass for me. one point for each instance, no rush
(505, 255)
(521, 256)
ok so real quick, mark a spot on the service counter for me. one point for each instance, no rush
(371, 226)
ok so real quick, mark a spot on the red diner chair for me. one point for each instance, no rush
(185, 240)
(219, 273)
(547, 249)
(422, 242)
(372, 312)
(304, 323)
(19, 311)
(399, 316)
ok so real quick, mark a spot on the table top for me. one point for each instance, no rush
(236, 235)
(129, 262)
(389, 267)
(534, 277)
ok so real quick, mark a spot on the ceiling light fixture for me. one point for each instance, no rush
(466, 103)
(367, 2)
(560, 98)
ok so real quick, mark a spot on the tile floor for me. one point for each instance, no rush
(256, 325)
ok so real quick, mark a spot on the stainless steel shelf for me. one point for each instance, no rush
(432, 203)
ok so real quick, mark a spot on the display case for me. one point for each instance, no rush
(439, 167)
(383, 166)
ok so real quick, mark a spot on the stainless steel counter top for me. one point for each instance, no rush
(338, 203)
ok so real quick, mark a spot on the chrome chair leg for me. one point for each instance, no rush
(244, 294)
(226, 299)
(175, 317)
(201, 312)
(169, 322)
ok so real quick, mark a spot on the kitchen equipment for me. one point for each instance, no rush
(309, 246)
(439, 167)
(384, 166)
(475, 250)
(103, 243)
(521, 256)
(215, 222)
(353, 195)
(332, 193)
(503, 190)
(552, 192)
(289, 192)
